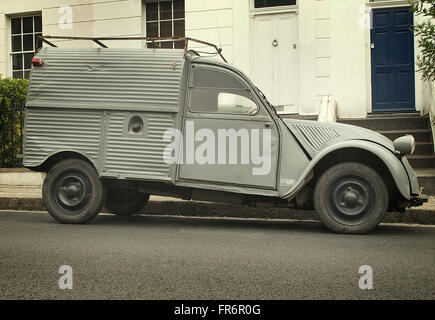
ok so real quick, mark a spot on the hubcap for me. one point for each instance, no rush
(351, 198)
(72, 191)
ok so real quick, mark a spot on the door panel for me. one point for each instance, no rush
(393, 72)
(274, 58)
(237, 173)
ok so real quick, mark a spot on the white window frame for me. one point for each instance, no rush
(387, 3)
(144, 19)
(10, 35)
(271, 10)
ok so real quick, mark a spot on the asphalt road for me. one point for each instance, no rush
(195, 258)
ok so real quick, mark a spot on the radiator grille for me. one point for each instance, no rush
(316, 135)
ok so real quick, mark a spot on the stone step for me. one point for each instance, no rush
(391, 123)
(422, 161)
(426, 179)
(423, 148)
(420, 135)
(389, 114)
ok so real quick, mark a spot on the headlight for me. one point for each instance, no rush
(405, 144)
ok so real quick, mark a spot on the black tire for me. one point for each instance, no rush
(351, 198)
(72, 191)
(123, 200)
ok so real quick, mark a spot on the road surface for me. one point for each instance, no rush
(196, 258)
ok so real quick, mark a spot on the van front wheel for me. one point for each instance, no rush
(72, 191)
(351, 198)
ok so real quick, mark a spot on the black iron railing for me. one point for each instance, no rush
(11, 134)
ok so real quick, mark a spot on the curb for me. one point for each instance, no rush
(208, 209)
(21, 177)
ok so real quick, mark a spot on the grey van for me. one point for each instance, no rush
(113, 126)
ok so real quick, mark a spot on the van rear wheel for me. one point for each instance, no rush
(351, 198)
(72, 191)
(124, 201)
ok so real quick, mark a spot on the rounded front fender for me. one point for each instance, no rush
(390, 160)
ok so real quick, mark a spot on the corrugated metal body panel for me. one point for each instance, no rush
(139, 155)
(48, 131)
(317, 135)
(106, 78)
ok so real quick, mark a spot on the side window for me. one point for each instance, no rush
(218, 92)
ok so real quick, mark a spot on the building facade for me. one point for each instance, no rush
(360, 52)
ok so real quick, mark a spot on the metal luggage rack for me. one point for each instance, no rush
(155, 41)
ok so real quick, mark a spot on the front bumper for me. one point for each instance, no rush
(417, 201)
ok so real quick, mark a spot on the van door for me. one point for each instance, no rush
(228, 136)
(274, 64)
(392, 54)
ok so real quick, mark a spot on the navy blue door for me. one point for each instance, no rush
(392, 51)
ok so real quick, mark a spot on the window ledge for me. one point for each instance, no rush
(271, 10)
(388, 4)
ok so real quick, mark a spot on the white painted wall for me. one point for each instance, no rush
(424, 92)
(89, 18)
(211, 21)
(3, 41)
(348, 58)
(333, 49)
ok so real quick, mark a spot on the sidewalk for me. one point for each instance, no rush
(28, 198)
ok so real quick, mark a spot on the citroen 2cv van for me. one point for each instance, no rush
(113, 126)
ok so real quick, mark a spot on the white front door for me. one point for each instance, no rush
(273, 68)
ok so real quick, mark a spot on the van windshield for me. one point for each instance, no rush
(265, 99)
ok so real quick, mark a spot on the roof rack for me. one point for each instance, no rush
(155, 41)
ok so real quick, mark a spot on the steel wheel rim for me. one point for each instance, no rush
(351, 200)
(72, 191)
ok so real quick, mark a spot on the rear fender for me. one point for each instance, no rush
(65, 154)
